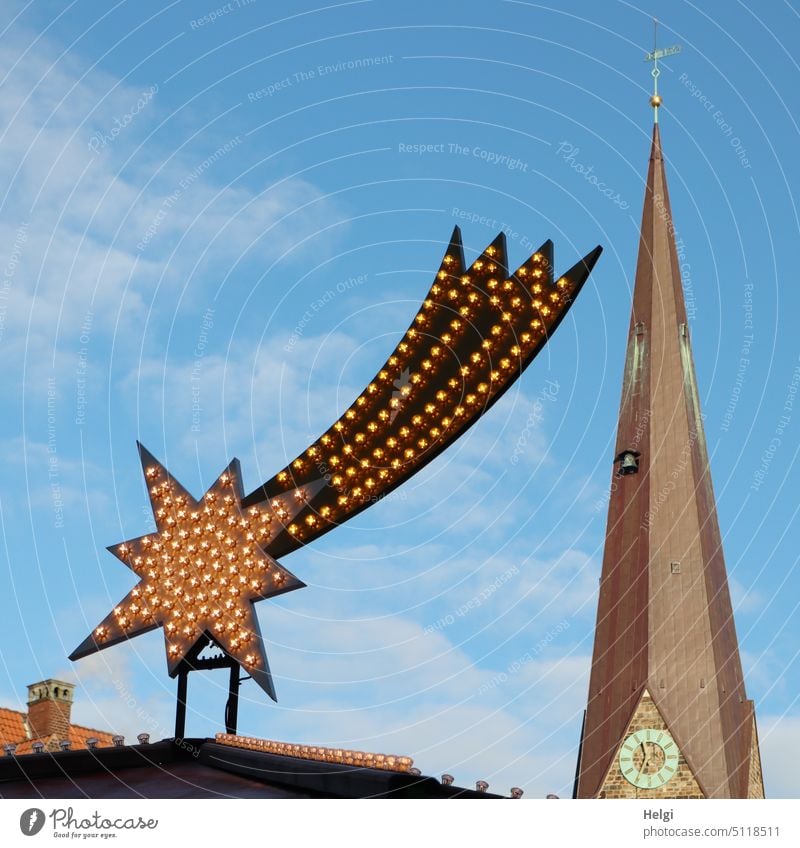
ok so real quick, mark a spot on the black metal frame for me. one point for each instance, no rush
(193, 662)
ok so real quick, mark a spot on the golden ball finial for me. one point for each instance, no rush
(655, 101)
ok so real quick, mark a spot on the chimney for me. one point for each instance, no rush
(49, 708)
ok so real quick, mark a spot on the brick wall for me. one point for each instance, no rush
(755, 787)
(49, 716)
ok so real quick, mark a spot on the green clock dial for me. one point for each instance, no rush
(649, 758)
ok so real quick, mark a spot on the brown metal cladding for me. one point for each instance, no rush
(669, 631)
(619, 664)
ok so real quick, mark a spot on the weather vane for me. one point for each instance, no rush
(209, 560)
(655, 100)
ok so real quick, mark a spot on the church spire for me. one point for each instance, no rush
(667, 713)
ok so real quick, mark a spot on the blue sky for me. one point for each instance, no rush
(183, 183)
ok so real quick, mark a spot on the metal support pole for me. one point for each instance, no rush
(232, 707)
(180, 709)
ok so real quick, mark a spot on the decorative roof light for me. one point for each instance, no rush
(364, 759)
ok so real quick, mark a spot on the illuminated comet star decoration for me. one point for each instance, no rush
(209, 560)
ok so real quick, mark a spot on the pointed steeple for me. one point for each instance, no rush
(666, 669)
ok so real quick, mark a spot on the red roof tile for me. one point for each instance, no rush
(12, 726)
(78, 736)
(13, 730)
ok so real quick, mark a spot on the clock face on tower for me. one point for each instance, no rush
(648, 758)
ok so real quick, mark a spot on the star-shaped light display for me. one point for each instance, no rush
(201, 571)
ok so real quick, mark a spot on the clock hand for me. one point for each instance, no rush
(645, 760)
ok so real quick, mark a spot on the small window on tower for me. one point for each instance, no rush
(675, 567)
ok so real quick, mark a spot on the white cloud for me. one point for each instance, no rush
(109, 695)
(385, 685)
(86, 213)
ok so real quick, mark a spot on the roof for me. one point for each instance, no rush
(14, 730)
(206, 768)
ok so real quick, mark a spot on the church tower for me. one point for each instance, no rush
(667, 714)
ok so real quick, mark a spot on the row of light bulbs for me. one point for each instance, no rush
(387, 762)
